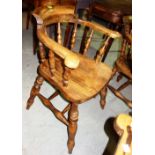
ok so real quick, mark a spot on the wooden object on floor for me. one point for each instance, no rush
(123, 127)
(124, 62)
(76, 77)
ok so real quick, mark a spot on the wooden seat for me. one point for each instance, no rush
(124, 62)
(78, 87)
(75, 76)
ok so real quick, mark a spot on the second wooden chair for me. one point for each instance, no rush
(124, 62)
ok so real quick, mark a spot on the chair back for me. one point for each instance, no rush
(69, 58)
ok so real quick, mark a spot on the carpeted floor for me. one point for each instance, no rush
(44, 135)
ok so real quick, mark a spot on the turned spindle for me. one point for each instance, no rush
(59, 35)
(42, 52)
(122, 52)
(52, 62)
(35, 90)
(124, 85)
(55, 111)
(119, 95)
(66, 76)
(73, 36)
(103, 50)
(87, 45)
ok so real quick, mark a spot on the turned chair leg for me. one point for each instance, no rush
(103, 94)
(34, 91)
(72, 128)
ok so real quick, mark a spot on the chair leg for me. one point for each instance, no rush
(124, 85)
(120, 96)
(34, 91)
(72, 128)
(103, 94)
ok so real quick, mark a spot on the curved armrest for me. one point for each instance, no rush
(111, 33)
(71, 60)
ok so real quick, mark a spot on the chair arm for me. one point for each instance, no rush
(98, 27)
(71, 60)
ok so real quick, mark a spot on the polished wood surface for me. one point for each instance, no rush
(75, 76)
(79, 89)
(123, 127)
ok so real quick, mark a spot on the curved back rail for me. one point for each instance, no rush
(71, 59)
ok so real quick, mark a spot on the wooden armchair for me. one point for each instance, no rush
(76, 77)
(124, 62)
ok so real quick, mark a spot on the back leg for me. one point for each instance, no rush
(72, 128)
(103, 94)
(35, 90)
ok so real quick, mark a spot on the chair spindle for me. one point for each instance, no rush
(88, 42)
(52, 62)
(42, 52)
(74, 36)
(66, 76)
(59, 37)
(102, 50)
(122, 53)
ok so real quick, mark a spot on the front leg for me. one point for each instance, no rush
(34, 91)
(103, 94)
(72, 128)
